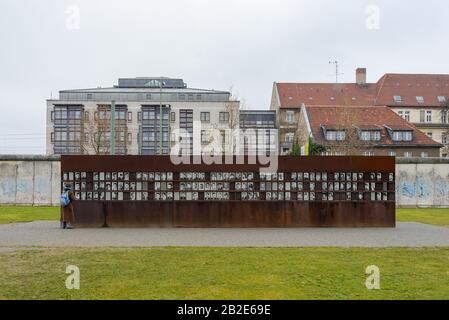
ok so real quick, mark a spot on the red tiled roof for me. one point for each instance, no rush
(363, 117)
(408, 86)
(292, 95)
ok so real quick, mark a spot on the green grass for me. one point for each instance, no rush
(25, 214)
(11, 214)
(438, 217)
(225, 273)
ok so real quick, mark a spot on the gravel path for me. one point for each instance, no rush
(47, 234)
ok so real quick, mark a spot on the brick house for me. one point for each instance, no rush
(421, 99)
(363, 130)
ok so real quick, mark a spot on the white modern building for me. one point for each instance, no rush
(79, 122)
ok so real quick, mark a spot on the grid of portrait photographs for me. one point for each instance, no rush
(225, 186)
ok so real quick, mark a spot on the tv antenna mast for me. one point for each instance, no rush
(336, 70)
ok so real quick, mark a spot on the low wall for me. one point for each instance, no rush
(30, 180)
(35, 180)
(422, 182)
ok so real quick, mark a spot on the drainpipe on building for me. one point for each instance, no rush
(139, 140)
(112, 133)
(160, 116)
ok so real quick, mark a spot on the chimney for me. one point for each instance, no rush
(360, 76)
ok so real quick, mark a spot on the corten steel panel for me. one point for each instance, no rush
(126, 213)
(89, 214)
(237, 214)
(163, 163)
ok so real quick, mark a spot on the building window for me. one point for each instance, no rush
(130, 116)
(182, 96)
(441, 99)
(199, 97)
(205, 116)
(290, 116)
(186, 126)
(392, 153)
(289, 137)
(204, 137)
(334, 135)
(420, 99)
(429, 134)
(429, 116)
(407, 115)
(444, 138)
(172, 116)
(130, 138)
(67, 136)
(89, 96)
(397, 99)
(152, 137)
(408, 154)
(368, 153)
(424, 155)
(444, 116)
(370, 135)
(422, 116)
(224, 116)
(148, 96)
(402, 135)
(139, 116)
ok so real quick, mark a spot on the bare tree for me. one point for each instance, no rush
(445, 123)
(232, 108)
(352, 144)
(97, 133)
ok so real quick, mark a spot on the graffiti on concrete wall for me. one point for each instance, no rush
(37, 183)
(422, 184)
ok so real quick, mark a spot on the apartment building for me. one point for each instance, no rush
(152, 115)
(363, 130)
(421, 99)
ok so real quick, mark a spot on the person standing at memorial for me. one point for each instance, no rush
(67, 211)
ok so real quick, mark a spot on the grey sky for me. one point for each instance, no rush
(246, 44)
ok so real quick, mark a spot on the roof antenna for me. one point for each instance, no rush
(336, 70)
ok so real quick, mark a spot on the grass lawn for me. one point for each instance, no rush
(438, 217)
(10, 214)
(225, 273)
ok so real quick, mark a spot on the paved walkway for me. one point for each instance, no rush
(47, 234)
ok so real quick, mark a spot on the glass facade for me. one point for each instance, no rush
(186, 126)
(151, 130)
(68, 129)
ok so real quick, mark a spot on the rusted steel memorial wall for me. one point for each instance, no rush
(152, 191)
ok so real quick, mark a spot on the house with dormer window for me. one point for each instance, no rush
(363, 130)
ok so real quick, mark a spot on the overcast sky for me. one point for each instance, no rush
(213, 44)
